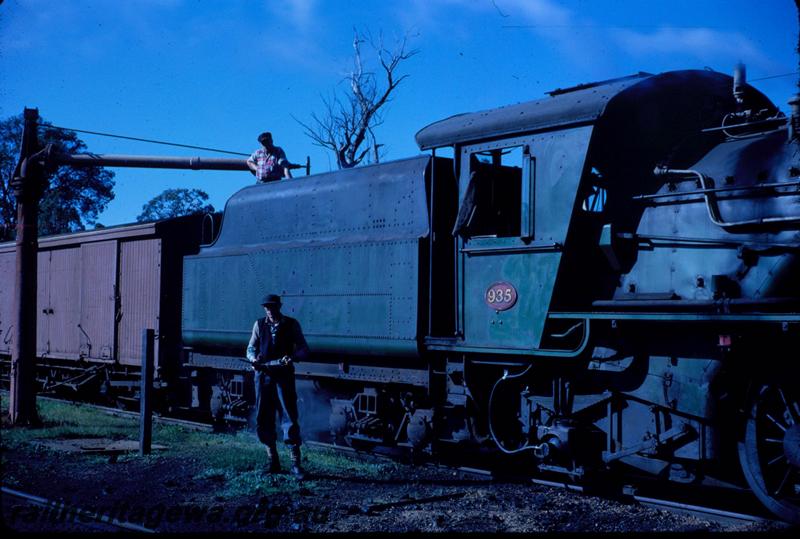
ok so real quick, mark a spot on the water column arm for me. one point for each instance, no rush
(51, 156)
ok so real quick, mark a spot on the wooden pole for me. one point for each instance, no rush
(145, 392)
(28, 185)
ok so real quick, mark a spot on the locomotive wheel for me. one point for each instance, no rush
(770, 449)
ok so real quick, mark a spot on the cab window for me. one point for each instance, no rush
(493, 197)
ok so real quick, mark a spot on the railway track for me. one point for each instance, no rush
(195, 425)
(631, 492)
(76, 517)
(716, 514)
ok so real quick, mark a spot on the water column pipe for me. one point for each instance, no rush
(28, 184)
(143, 161)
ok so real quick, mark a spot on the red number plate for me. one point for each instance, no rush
(501, 296)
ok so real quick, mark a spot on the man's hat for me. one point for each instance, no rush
(271, 299)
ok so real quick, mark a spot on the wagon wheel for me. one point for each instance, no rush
(770, 450)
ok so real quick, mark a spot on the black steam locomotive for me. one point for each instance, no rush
(605, 278)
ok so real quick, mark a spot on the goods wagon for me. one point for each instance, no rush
(96, 291)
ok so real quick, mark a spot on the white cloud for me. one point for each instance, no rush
(541, 12)
(300, 13)
(288, 32)
(705, 44)
(510, 12)
(584, 42)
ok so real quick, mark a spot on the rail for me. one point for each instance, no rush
(87, 517)
(702, 511)
(717, 514)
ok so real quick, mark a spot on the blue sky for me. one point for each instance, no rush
(217, 73)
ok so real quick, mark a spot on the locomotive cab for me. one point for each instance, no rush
(579, 159)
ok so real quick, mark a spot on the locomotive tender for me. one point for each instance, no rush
(605, 278)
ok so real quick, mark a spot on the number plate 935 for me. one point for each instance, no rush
(501, 296)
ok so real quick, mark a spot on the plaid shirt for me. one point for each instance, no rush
(269, 166)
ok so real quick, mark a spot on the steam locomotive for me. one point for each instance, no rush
(605, 278)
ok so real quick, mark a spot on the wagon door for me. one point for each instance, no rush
(516, 201)
(98, 299)
(7, 311)
(139, 292)
(63, 307)
(43, 303)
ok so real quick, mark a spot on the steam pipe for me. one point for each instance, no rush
(739, 82)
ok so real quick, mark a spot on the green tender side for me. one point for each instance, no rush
(343, 251)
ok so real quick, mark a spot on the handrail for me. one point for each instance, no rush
(713, 209)
(763, 186)
(508, 249)
(554, 352)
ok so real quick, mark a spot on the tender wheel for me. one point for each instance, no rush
(770, 450)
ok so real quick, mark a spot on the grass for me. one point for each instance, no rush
(236, 460)
(66, 420)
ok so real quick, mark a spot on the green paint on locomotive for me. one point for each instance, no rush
(528, 258)
(343, 250)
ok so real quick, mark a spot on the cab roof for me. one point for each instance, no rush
(581, 104)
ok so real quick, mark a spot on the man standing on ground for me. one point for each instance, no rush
(276, 342)
(269, 162)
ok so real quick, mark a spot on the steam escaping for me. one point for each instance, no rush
(314, 410)
(706, 44)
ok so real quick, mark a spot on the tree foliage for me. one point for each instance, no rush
(175, 203)
(75, 196)
(347, 124)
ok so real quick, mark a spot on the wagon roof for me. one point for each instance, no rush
(101, 234)
(115, 232)
(585, 103)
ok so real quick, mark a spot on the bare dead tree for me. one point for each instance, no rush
(347, 124)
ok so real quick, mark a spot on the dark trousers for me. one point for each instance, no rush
(276, 394)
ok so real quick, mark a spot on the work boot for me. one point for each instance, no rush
(297, 469)
(274, 460)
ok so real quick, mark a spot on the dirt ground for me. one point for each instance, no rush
(203, 482)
